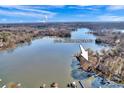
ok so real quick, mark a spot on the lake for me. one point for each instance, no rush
(43, 61)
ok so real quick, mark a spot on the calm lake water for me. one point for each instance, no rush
(43, 61)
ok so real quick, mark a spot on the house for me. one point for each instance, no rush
(117, 41)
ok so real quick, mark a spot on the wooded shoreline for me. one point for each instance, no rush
(108, 63)
(16, 33)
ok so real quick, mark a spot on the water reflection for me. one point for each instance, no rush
(77, 73)
(95, 82)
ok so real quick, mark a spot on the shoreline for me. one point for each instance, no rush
(104, 55)
(108, 70)
(108, 63)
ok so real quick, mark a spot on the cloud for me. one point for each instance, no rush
(85, 7)
(27, 11)
(30, 9)
(110, 18)
(116, 7)
(18, 13)
(57, 6)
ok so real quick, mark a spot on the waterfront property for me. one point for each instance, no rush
(36, 60)
(42, 61)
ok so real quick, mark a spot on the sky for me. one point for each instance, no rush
(60, 13)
